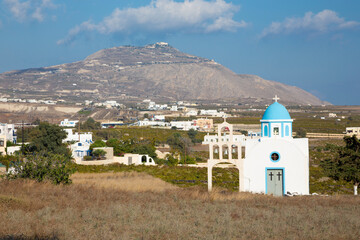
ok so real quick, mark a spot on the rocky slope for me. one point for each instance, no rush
(156, 71)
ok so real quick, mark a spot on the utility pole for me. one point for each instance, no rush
(79, 126)
(22, 137)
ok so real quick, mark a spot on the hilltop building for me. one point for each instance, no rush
(68, 123)
(275, 163)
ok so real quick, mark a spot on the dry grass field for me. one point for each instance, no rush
(138, 206)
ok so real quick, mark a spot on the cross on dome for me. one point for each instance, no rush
(276, 98)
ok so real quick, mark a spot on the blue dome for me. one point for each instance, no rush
(276, 111)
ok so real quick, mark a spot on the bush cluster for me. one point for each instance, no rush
(52, 167)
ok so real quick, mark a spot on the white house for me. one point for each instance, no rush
(74, 136)
(68, 123)
(275, 163)
(183, 125)
(147, 122)
(80, 149)
(211, 112)
(9, 131)
(127, 159)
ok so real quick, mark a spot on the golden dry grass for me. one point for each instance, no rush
(122, 181)
(95, 207)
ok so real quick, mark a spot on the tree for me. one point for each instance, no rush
(98, 153)
(90, 124)
(346, 163)
(47, 139)
(192, 135)
(115, 144)
(145, 149)
(96, 144)
(178, 142)
(300, 133)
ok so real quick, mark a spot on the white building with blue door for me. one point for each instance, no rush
(276, 163)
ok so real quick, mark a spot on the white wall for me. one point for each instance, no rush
(71, 136)
(294, 159)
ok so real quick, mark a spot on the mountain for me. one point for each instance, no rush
(156, 71)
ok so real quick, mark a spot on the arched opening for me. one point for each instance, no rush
(224, 134)
(216, 151)
(224, 175)
(225, 152)
(234, 151)
(143, 159)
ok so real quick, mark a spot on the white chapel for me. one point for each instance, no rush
(275, 163)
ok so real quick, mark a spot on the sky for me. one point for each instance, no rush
(314, 45)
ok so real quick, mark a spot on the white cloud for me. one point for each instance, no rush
(29, 9)
(165, 16)
(322, 22)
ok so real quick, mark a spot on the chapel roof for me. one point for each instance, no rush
(276, 111)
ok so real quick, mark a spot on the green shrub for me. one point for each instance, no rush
(88, 158)
(53, 167)
(98, 153)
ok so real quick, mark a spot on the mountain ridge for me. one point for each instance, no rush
(156, 71)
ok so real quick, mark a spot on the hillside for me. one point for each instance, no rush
(156, 71)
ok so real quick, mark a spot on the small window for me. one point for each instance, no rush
(143, 159)
(274, 156)
(276, 131)
(266, 131)
(150, 159)
(1, 142)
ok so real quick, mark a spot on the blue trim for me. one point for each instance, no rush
(282, 129)
(277, 154)
(270, 130)
(287, 130)
(275, 168)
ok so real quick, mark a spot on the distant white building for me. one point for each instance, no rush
(174, 108)
(111, 103)
(159, 118)
(147, 122)
(211, 112)
(68, 123)
(183, 125)
(332, 115)
(192, 113)
(9, 131)
(353, 131)
(82, 137)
